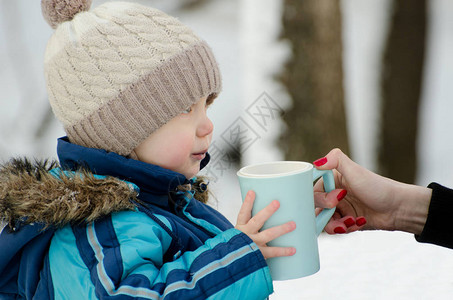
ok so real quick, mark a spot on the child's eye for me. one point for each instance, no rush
(187, 111)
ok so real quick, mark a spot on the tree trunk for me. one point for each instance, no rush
(314, 79)
(401, 89)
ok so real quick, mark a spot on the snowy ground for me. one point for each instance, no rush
(243, 33)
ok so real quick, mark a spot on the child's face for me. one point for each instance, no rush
(181, 144)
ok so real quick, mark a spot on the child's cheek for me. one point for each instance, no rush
(177, 152)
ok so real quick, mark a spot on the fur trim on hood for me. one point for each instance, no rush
(29, 193)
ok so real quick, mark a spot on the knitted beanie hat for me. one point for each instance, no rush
(119, 72)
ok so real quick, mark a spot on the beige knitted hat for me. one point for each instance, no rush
(119, 72)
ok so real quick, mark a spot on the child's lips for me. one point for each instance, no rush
(199, 155)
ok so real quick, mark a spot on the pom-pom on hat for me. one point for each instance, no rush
(56, 12)
(119, 72)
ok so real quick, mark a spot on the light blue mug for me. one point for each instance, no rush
(291, 183)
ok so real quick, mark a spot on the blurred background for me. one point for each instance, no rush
(374, 78)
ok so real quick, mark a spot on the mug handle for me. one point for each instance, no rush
(329, 185)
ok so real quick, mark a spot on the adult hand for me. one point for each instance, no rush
(372, 201)
(251, 227)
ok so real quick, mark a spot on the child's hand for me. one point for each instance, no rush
(251, 227)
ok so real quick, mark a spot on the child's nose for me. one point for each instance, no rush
(206, 127)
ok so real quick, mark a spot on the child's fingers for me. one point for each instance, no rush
(262, 216)
(245, 213)
(272, 233)
(269, 252)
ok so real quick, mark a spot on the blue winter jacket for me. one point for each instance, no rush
(77, 247)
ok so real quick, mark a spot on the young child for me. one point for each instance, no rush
(117, 218)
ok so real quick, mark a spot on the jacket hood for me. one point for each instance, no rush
(29, 193)
(95, 183)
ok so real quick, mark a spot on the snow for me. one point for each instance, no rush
(244, 37)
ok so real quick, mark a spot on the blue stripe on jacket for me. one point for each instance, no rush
(71, 278)
(226, 260)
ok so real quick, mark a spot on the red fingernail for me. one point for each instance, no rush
(342, 194)
(349, 222)
(320, 162)
(360, 221)
(339, 230)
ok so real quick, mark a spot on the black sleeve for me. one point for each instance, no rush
(438, 229)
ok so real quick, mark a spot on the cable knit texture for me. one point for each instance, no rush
(119, 72)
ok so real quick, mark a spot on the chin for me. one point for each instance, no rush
(192, 173)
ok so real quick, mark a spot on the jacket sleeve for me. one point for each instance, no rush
(228, 266)
(438, 227)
